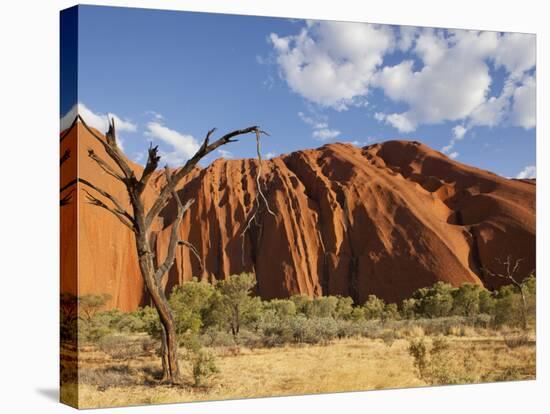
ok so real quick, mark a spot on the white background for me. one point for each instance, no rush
(29, 159)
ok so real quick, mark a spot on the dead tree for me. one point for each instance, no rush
(511, 268)
(139, 220)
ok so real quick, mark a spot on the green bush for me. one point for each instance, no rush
(233, 306)
(435, 301)
(374, 308)
(190, 302)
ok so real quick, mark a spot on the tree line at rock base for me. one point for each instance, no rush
(228, 314)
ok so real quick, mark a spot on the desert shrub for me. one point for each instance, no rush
(118, 321)
(321, 307)
(111, 376)
(487, 302)
(391, 312)
(435, 301)
(122, 347)
(68, 317)
(301, 303)
(276, 330)
(408, 308)
(418, 350)
(190, 302)
(344, 308)
(151, 321)
(349, 328)
(358, 313)
(389, 336)
(281, 308)
(90, 304)
(313, 330)
(203, 366)
(438, 364)
(251, 338)
(466, 299)
(214, 337)
(374, 307)
(202, 363)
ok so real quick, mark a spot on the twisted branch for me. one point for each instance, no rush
(204, 150)
(172, 244)
(118, 211)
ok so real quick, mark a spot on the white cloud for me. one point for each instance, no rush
(453, 155)
(155, 115)
(325, 133)
(446, 75)
(225, 154)
(360, 144)
(517, 52)
(321, 129)
(407, 37)
(401, 122)
(529, 171)
(184, 146)
(331, 63)
(99, 121)
(524, 107)
(315, 123)
(454, 82)
(270, 155)
(459, 131)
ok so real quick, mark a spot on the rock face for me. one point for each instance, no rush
(385, 219)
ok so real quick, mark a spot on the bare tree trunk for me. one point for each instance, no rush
(170, 364)
(139, 221)
(524, 306)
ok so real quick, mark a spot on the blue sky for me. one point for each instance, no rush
(170, 76)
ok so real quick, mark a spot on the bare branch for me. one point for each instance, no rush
(193, 250)
(104, 166)
(152, 164)
(118, 210)
(97, 202)
(204, 150)
(510, 272)
(111, 147)
(172, 244)
(258, 150)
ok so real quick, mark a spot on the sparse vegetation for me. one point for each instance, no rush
(444, 334)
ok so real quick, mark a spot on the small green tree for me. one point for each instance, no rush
(234, 306)
(91, 304)
(435, 301)
(466, 299)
